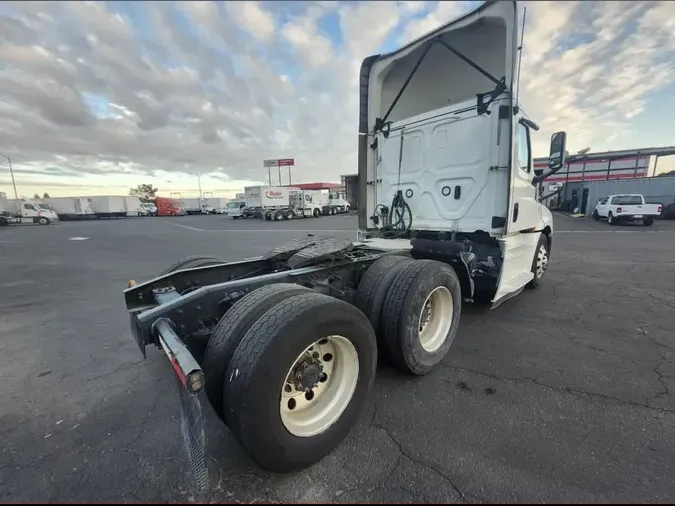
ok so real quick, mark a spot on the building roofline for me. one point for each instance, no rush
(626, 153)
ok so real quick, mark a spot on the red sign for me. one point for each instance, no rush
(286, 162)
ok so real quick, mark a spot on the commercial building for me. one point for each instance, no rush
(581, 172)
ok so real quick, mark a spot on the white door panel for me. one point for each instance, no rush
(524, 214)
(518, 254)
(439, 162)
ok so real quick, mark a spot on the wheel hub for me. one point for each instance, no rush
(426, 316)
(307, 375)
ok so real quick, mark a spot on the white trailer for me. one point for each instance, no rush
(108, 206)
(240, 196)
(192, 205)
(214, 205)
(71, 208)
(132, 206)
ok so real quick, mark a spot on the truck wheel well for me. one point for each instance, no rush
(547, 233)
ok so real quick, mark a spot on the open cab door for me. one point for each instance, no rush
(528, 219)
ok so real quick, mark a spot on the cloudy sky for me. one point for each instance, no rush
(96, 97)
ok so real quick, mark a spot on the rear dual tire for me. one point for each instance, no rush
(280, 426)
(414, 307)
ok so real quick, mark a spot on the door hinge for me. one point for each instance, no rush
(497, 167)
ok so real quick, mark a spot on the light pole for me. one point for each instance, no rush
(199, 183)
(11, 172)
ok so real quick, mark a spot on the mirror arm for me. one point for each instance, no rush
(552, 194)
(538, 179)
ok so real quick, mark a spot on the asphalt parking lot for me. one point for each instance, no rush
(561, 394)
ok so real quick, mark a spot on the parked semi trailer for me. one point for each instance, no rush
(285, 345)
(71, 208)
(108, 206)
(132, 206)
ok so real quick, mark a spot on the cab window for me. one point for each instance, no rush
(29, 206)
(524, 148)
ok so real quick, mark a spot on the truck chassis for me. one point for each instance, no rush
(240, 328)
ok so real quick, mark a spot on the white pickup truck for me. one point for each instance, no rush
(631, 207)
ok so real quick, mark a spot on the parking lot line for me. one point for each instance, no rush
(614, 231)
(187, 226)
(266, 230)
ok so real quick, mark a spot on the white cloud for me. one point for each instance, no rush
(256, 80)
(441, 14)
(252, 16)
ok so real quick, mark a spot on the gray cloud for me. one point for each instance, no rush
(86, 91)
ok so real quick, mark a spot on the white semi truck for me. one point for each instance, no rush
(277, 203)
(30, 209)
(285, 345)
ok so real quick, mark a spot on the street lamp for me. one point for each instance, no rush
(16, 195)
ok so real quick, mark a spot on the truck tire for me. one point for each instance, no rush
(191, 263)
(540, 261)
(648, 222)
(312, 343)
(374, 285)
(42, 220)
(289, 215)
(231, 329)
(316, 213)
(278, 216)
(423, 291)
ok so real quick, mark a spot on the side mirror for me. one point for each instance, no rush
(538, 172)
(556, 157)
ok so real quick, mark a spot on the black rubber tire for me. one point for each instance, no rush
(191, 263)
(596, 216)
(648, 222)
(373, 287)
(402, 307)
(43, 221)
(316, 213)
(278, 216)
(231, 329)
(543, 241)
(289, 215)
(610, 219)
(259, 367)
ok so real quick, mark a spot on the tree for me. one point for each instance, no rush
(145, 192)
(36, 196)
(45, 195)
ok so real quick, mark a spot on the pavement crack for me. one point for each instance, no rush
(403, 453)
(662, 300)
(569, 390)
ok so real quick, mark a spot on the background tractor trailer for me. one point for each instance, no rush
(31, 209)
(108, 206)
(71, 208)
(285, 345)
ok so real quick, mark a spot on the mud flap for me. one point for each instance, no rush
(194, 436)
